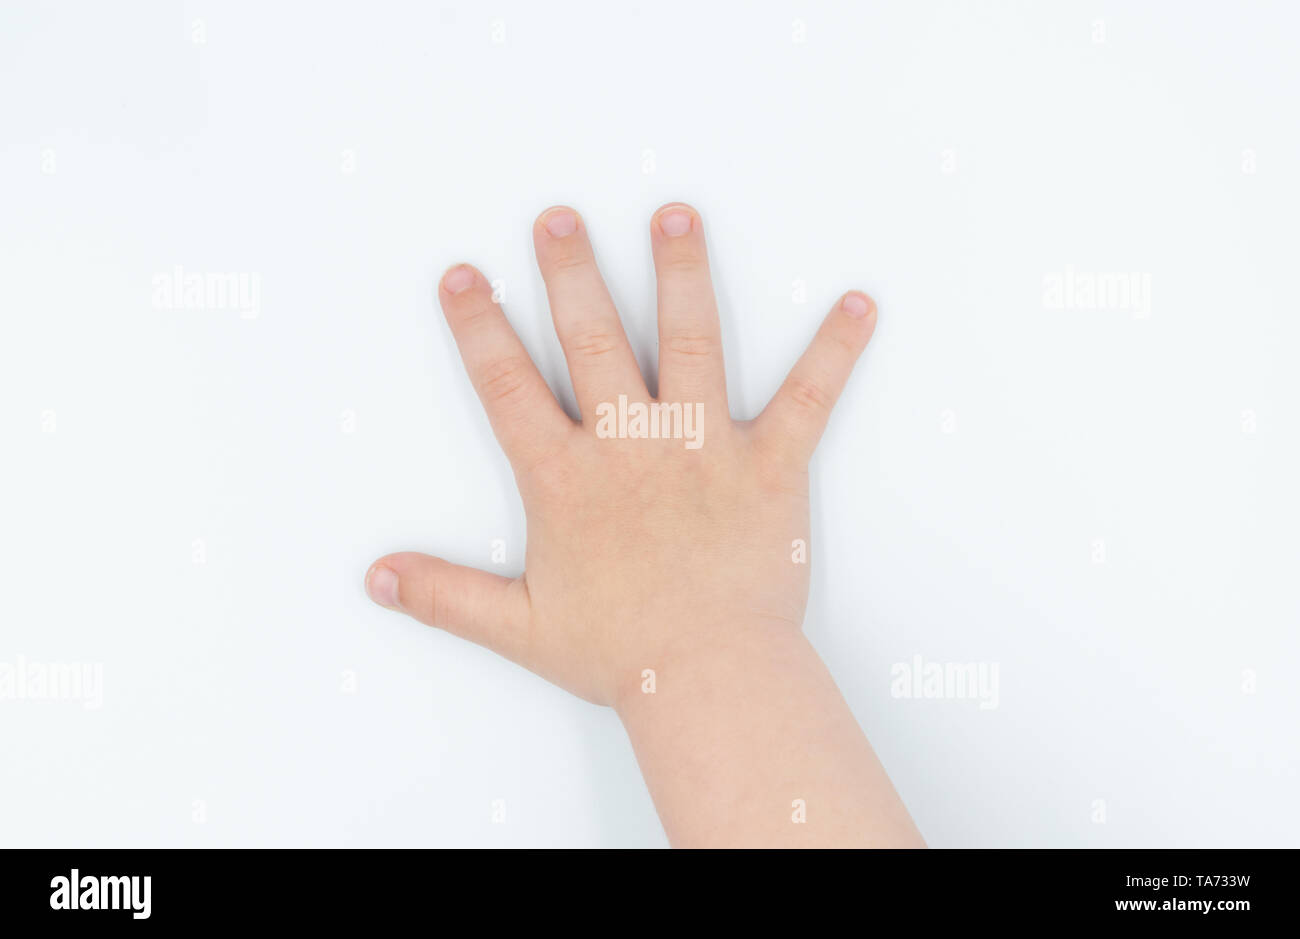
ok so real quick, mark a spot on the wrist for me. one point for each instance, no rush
(715, 662)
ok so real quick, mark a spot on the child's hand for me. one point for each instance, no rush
(673, 553)
(640, 551)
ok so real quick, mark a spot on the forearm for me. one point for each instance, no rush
(749, 743)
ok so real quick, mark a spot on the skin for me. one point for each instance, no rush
(645, 556)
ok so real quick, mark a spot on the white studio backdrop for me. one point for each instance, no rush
(1070, 453)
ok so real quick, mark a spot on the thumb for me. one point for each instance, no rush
(484, 608)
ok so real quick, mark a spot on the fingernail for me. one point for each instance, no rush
(561, 223)
(856, 305)
(382, 587)
(458, 279)
(675, 222)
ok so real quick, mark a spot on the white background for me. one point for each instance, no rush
(946, 157)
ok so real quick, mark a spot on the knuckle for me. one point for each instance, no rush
(547, 469)
(570, 261)
(690, 345)
(504, 380)
(808, 395)
(683, 262)
(437, 600)
(847, 346)
(594, 343)
(476, 312)
(515, 639)
(775, 450)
